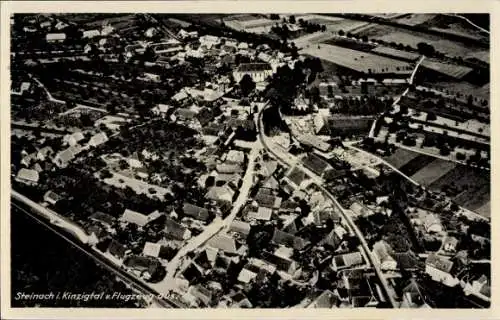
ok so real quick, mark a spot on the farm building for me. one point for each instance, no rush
(27, 176)
(55, 37)
(257, 71)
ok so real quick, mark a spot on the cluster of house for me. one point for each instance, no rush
(55, 37)
(225, 178)
(43, 23)
(43, 158)
(220, 50)
(367, 86)
(289, 236)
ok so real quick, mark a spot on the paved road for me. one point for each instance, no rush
(319, 182)
(100, 259)
(168, 283)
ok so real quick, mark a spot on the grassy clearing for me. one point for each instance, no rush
(433, 171)
(401, 157)
(416, 164)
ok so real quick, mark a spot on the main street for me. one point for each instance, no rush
(218, 225)
(285, 160)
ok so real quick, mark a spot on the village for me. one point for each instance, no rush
(246, 162)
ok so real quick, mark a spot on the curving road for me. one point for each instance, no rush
(285, 160)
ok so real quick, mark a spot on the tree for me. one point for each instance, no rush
(274, 16)
(341, 32)
(364, 38)
(330, 91)
(425, 49)
(291, 19)
(444, 150)
(247, 85)
(431, 116)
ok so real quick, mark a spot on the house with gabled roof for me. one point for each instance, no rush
(196, 212)
(246, 275)
(44, 153)
(63, 158)
(27, 176)
(240, 227)
(439, 269)
(228, 168)
(239, 300)
(262, 213)
(282, 264)
(235, 156)
(271, 183)
(74, 138)
(98, 139)
(55, 37)
(145, 267)
(225, 243)
(193, 272)
(382, 254)
(103, 218)
(117, 250)
(91, 33)
(175, 230)
(289, 240)
(151, 249)
(268, 201)
(450, 244)
(326, 299)
(202, 294)
(347, 260)
(413, 296)
(51, 197)
(137, 218)
(223, 194)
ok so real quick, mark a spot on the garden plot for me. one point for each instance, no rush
(358, 61)
(393, 34)
(450, 70)
(400, 157)
(433, 171)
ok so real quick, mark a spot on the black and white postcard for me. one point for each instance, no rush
(239, 155)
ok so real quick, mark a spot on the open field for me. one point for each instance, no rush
(484, 210)
(480, 55)
(398, 54)
(350, 44)
(450, 70)
(393, 34)
(415, 164)
(433, 171)
(462, 87)
(415, 19)
(358, 61)
(453, 25)
(468, 187)
(400, 157)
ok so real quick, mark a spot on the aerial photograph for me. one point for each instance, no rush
(309, 160)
